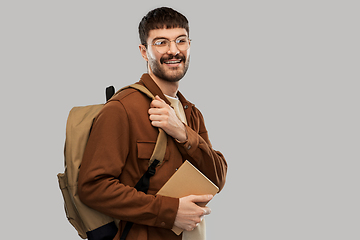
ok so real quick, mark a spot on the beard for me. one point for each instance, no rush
(173, 74)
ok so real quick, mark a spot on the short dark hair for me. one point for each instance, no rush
(159, 18)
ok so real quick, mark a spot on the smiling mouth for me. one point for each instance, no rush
(177, 61)
(172, 59)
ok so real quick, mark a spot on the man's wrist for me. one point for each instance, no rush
(184, 137)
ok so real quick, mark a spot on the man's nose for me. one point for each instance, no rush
(173, 49)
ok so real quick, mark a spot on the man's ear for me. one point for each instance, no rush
(143, 52)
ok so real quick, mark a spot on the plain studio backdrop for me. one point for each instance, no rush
(277, 83)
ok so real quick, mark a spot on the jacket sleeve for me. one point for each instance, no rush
(103, 162)
(198, 150)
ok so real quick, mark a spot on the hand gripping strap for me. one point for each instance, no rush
(161, 142)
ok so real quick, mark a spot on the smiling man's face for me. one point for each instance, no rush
(172, 65)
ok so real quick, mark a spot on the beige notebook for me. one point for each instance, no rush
(187, 180)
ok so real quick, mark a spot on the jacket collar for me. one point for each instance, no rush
(150, 84)
(187, 107)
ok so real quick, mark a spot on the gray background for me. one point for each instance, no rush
(277, 82)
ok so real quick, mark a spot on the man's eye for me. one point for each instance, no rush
(160, 43)
(180, 40)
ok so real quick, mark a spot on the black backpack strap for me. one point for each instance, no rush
(143, 186)
(110, 91)
(106, 232)
(144, 182)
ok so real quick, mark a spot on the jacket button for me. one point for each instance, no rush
(188, 148)
(162, 224)
(186, 106)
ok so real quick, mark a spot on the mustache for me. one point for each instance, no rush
(171, 56)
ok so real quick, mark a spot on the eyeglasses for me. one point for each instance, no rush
(163, 45)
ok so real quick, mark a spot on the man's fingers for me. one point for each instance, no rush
(206, 210)
(158, 102)
(201, 198)
(155, 111)
(190, 214)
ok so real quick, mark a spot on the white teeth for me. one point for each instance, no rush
(173, 62)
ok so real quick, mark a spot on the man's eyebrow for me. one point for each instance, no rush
(157, 38)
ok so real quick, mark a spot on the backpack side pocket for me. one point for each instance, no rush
(70, 209)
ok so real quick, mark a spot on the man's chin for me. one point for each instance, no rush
(172, 76)
(169, 74)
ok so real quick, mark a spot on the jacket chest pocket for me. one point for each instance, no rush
(145, 150)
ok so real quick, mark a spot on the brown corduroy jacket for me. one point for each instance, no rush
(121, 142)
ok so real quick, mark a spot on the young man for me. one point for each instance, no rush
(124, 135)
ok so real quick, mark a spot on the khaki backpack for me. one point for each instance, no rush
(85, 220)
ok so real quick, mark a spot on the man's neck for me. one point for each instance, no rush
(168, 88)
